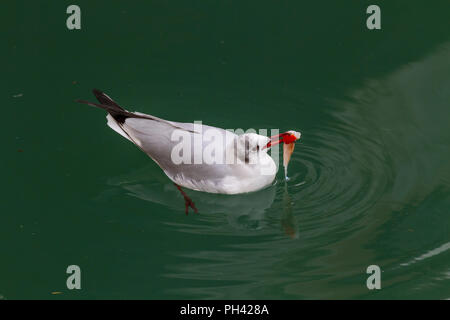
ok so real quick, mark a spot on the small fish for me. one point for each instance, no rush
(288, 149)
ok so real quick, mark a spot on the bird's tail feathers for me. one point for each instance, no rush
(103, 98)
(117, 112)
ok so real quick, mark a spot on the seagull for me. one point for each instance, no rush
(197, 156)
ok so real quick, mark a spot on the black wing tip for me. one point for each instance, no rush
(118, 114)
(103, 98)
(97, 92)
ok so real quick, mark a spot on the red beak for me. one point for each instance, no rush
(285, 137)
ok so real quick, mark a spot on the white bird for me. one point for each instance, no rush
(239, 164)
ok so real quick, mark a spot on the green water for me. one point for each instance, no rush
(370, 179)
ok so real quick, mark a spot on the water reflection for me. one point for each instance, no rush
(287, 217)
(242, 211)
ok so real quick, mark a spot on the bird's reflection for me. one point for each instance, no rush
(288, 221)
(244, 211)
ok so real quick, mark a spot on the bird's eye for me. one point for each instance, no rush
(257, 148)
(247, 151)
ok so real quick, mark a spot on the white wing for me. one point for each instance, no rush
(155, 138)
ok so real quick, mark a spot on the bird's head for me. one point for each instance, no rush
(251, 145)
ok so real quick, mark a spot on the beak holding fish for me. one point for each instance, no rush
(288, 138)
